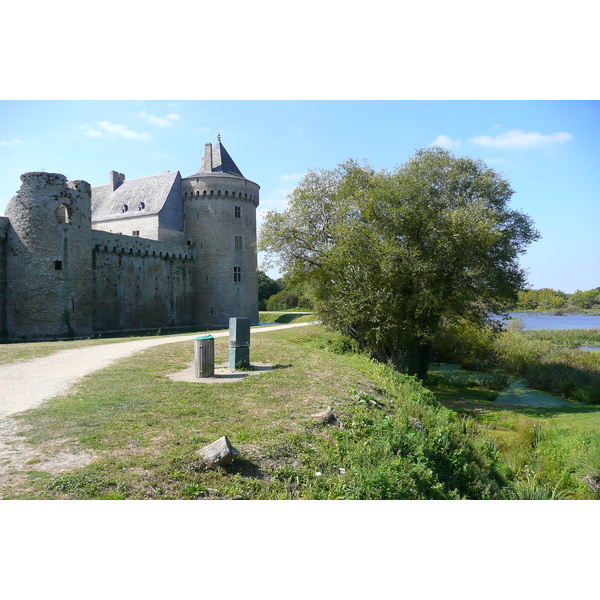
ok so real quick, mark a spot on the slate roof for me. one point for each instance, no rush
(151, 191)
(222, 162)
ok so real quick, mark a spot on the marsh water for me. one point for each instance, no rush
(550, 321)
(517, 393)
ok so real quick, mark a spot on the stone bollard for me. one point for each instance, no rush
(239, 343)
(204, 355)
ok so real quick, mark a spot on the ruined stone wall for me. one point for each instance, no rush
(140, 283)
(49, 259)
(220, 217)
(4, 225)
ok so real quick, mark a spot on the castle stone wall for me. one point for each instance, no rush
(140, 283)
(4, 225)
(146, 225)
(49, 261)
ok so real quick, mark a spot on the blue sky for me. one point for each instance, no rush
(548, 150)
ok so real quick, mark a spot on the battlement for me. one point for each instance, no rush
(114, 243)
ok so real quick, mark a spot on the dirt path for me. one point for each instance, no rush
(27, 384)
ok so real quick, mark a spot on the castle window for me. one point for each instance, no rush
(238, 242)
(142, 205)
(124, 208)
(135, 233)
(237, 274)
(237, 211)
(58, 265)
(63, 214)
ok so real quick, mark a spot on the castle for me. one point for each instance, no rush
(154, 252)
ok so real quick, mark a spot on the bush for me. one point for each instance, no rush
(287, 300)
(282, 301)
(467, 344)
(409, 447)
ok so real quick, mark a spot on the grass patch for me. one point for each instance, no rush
(545, 453)
(146, 430)
(285, 317)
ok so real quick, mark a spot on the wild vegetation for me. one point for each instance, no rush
(549, 360)
(547, 299)
(279, 294)
(392, 258)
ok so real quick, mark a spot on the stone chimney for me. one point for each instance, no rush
(116, 179)
(207, 161)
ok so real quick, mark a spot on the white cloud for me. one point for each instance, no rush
(445, 142)
(89, 131)
(291, 177)
(7, 143)
(123, 131)
(519, 140)
(159, 121)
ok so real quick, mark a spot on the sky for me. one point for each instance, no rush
(548, 150)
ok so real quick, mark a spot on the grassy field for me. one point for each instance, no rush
(130, 432)
(547, 452)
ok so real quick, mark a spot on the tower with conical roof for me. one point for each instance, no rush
(220, 220)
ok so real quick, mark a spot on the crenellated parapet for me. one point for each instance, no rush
(111, 243)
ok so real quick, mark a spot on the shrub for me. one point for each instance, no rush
(282, 301)
(409, 447)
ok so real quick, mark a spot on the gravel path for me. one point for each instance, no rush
(27, 384)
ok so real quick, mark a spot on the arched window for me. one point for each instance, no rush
(63, 213)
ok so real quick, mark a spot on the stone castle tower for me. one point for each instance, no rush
(220, 218)
(49, 259)
(153, 252)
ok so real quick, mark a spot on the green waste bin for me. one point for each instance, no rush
(204, 355)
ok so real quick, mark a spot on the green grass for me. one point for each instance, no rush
(284, 317)
(145, 431)
(545, 452)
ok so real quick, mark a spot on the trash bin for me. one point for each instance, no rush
(204, 355)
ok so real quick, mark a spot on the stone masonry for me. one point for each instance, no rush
(154, 252)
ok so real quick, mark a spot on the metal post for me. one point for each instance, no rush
(204, 355)
(239, 343)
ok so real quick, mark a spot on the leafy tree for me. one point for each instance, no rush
(283, 300)
(392, 257)
(588, 299)
(267, 287)
(550, 299)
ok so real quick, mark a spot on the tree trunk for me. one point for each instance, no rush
(418, 357)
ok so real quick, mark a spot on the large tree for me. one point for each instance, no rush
(393, 257)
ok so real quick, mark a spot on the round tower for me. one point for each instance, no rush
(49, 258)
(220, 220)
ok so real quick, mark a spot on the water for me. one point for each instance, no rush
(518, 394)
(550, 321)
